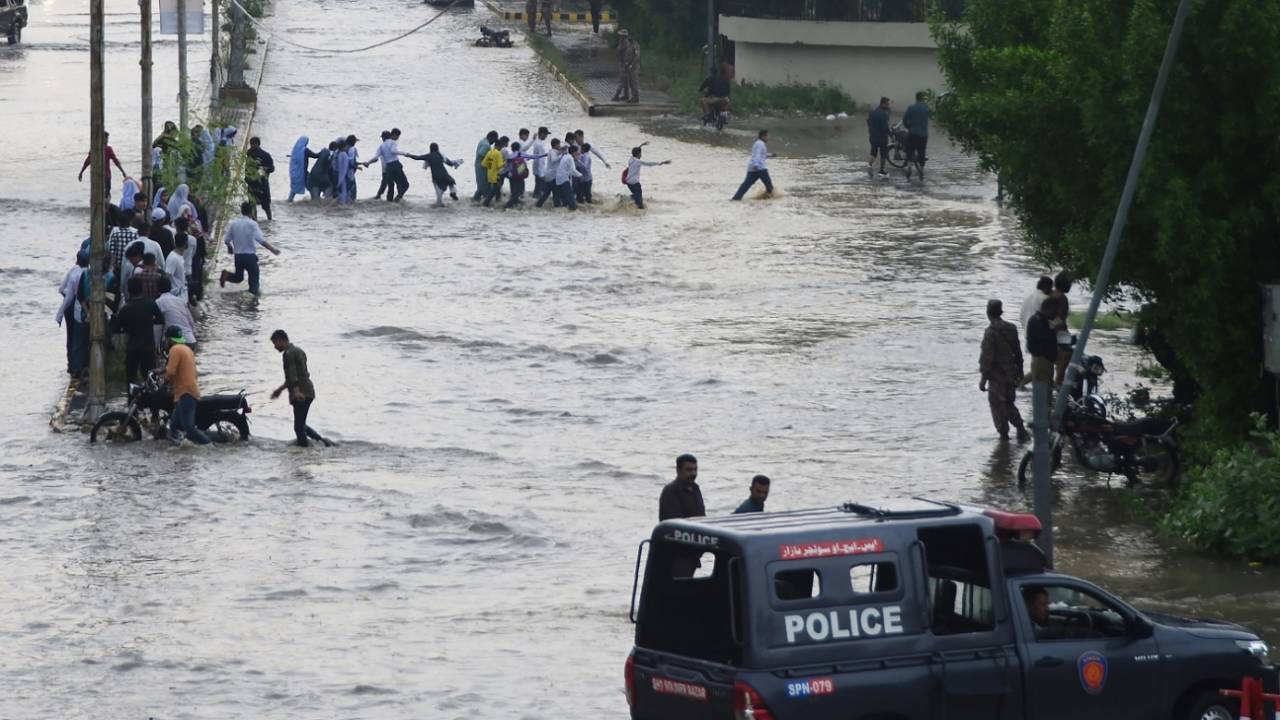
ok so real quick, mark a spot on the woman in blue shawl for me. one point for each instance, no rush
(298, 168)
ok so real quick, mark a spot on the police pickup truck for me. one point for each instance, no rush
(911, 610)
(13, 17)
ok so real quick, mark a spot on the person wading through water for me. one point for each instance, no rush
(297, 380)
(1001, 368)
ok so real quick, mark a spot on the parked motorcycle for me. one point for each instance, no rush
(1142, 449)
(222, 417)
(717, 114)
(494, 38)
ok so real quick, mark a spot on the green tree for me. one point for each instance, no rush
(1052, 93)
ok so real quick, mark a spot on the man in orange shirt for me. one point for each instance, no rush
(181, 373)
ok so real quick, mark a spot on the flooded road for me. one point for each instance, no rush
(509, 390)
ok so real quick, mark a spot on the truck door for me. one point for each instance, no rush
(1083, 655)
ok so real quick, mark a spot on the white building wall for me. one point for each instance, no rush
(866, 60)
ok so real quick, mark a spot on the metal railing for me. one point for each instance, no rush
(841, 10)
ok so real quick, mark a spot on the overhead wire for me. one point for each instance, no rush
(280, 38)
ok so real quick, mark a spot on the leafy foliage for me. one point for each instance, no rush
(1052, 93)
(1232, 503)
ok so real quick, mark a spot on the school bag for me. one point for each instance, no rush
(624, 176)
(519, 168)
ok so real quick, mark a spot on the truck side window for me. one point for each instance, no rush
(876, 577)
(958, 579)
(802, 584)
(1059, 612)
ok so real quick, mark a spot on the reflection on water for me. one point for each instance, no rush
(509, 390)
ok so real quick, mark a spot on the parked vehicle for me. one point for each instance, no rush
(13, 17)
(494, 38)
(1138, 450)
(224, 417)
(910, 610)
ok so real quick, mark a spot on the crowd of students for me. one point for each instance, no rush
(562, 171)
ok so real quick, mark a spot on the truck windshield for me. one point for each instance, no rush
(692, 603)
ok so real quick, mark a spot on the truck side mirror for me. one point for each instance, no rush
(1140, 627)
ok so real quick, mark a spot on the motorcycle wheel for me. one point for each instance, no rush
(897, 156)
(229, 430)
(1158, 462)
(116, 427)
(1025, 469)
(721, 120)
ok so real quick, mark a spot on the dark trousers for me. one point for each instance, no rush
(492, 192)
(395, 176)
(139, 359)
(596, 6)
(77, 345)
(195, 281)
(564, 194)
(637, 194)
(300, 427)
(261, 191)
(517, 189)
(246, 264)
(386, 183)
(582, 190)
(183, 422)
(752, 177)
(547, 190)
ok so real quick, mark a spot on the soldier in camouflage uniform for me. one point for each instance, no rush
(1001, 367)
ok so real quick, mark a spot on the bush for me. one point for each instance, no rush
(1232, 504)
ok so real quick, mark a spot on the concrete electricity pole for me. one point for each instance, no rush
(98, 229)
(214, 56)
(145, 63)
(182, 64)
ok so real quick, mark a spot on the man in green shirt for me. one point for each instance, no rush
(297, 380)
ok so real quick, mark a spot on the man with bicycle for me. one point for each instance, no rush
(916, 121)
(878, 132)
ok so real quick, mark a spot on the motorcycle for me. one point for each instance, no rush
(717, 114)
(494, 38)
(222, 417)
(1132, 449)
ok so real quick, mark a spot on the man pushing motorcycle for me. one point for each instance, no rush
(181, 374)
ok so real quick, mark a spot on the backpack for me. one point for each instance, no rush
(519, 168)
(624, 176)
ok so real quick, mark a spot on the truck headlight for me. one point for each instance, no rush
(1256, 648)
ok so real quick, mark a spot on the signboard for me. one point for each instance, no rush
(169, 17)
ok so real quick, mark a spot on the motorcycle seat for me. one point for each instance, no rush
(219, 403)
(1145, 426)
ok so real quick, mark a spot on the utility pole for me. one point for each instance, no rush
(1040, 392)
(145, 63)
(711, 36)
(182, 65)
(215, 54)
(98, 229)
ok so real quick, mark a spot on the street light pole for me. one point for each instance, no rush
(711, 36)
(146, 64)
(98, 229)
(215, 54)
(182, 64)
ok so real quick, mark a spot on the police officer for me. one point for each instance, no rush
(1001, 367)
(759, 493)
(682, 498)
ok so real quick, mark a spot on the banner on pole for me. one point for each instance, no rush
(169, 17)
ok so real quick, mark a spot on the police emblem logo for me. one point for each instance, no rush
(1093, 672)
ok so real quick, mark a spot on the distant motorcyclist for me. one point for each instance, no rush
(715, 91)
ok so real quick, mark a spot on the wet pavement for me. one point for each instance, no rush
(509, 389)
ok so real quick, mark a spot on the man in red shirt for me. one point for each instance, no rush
(109, 156)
